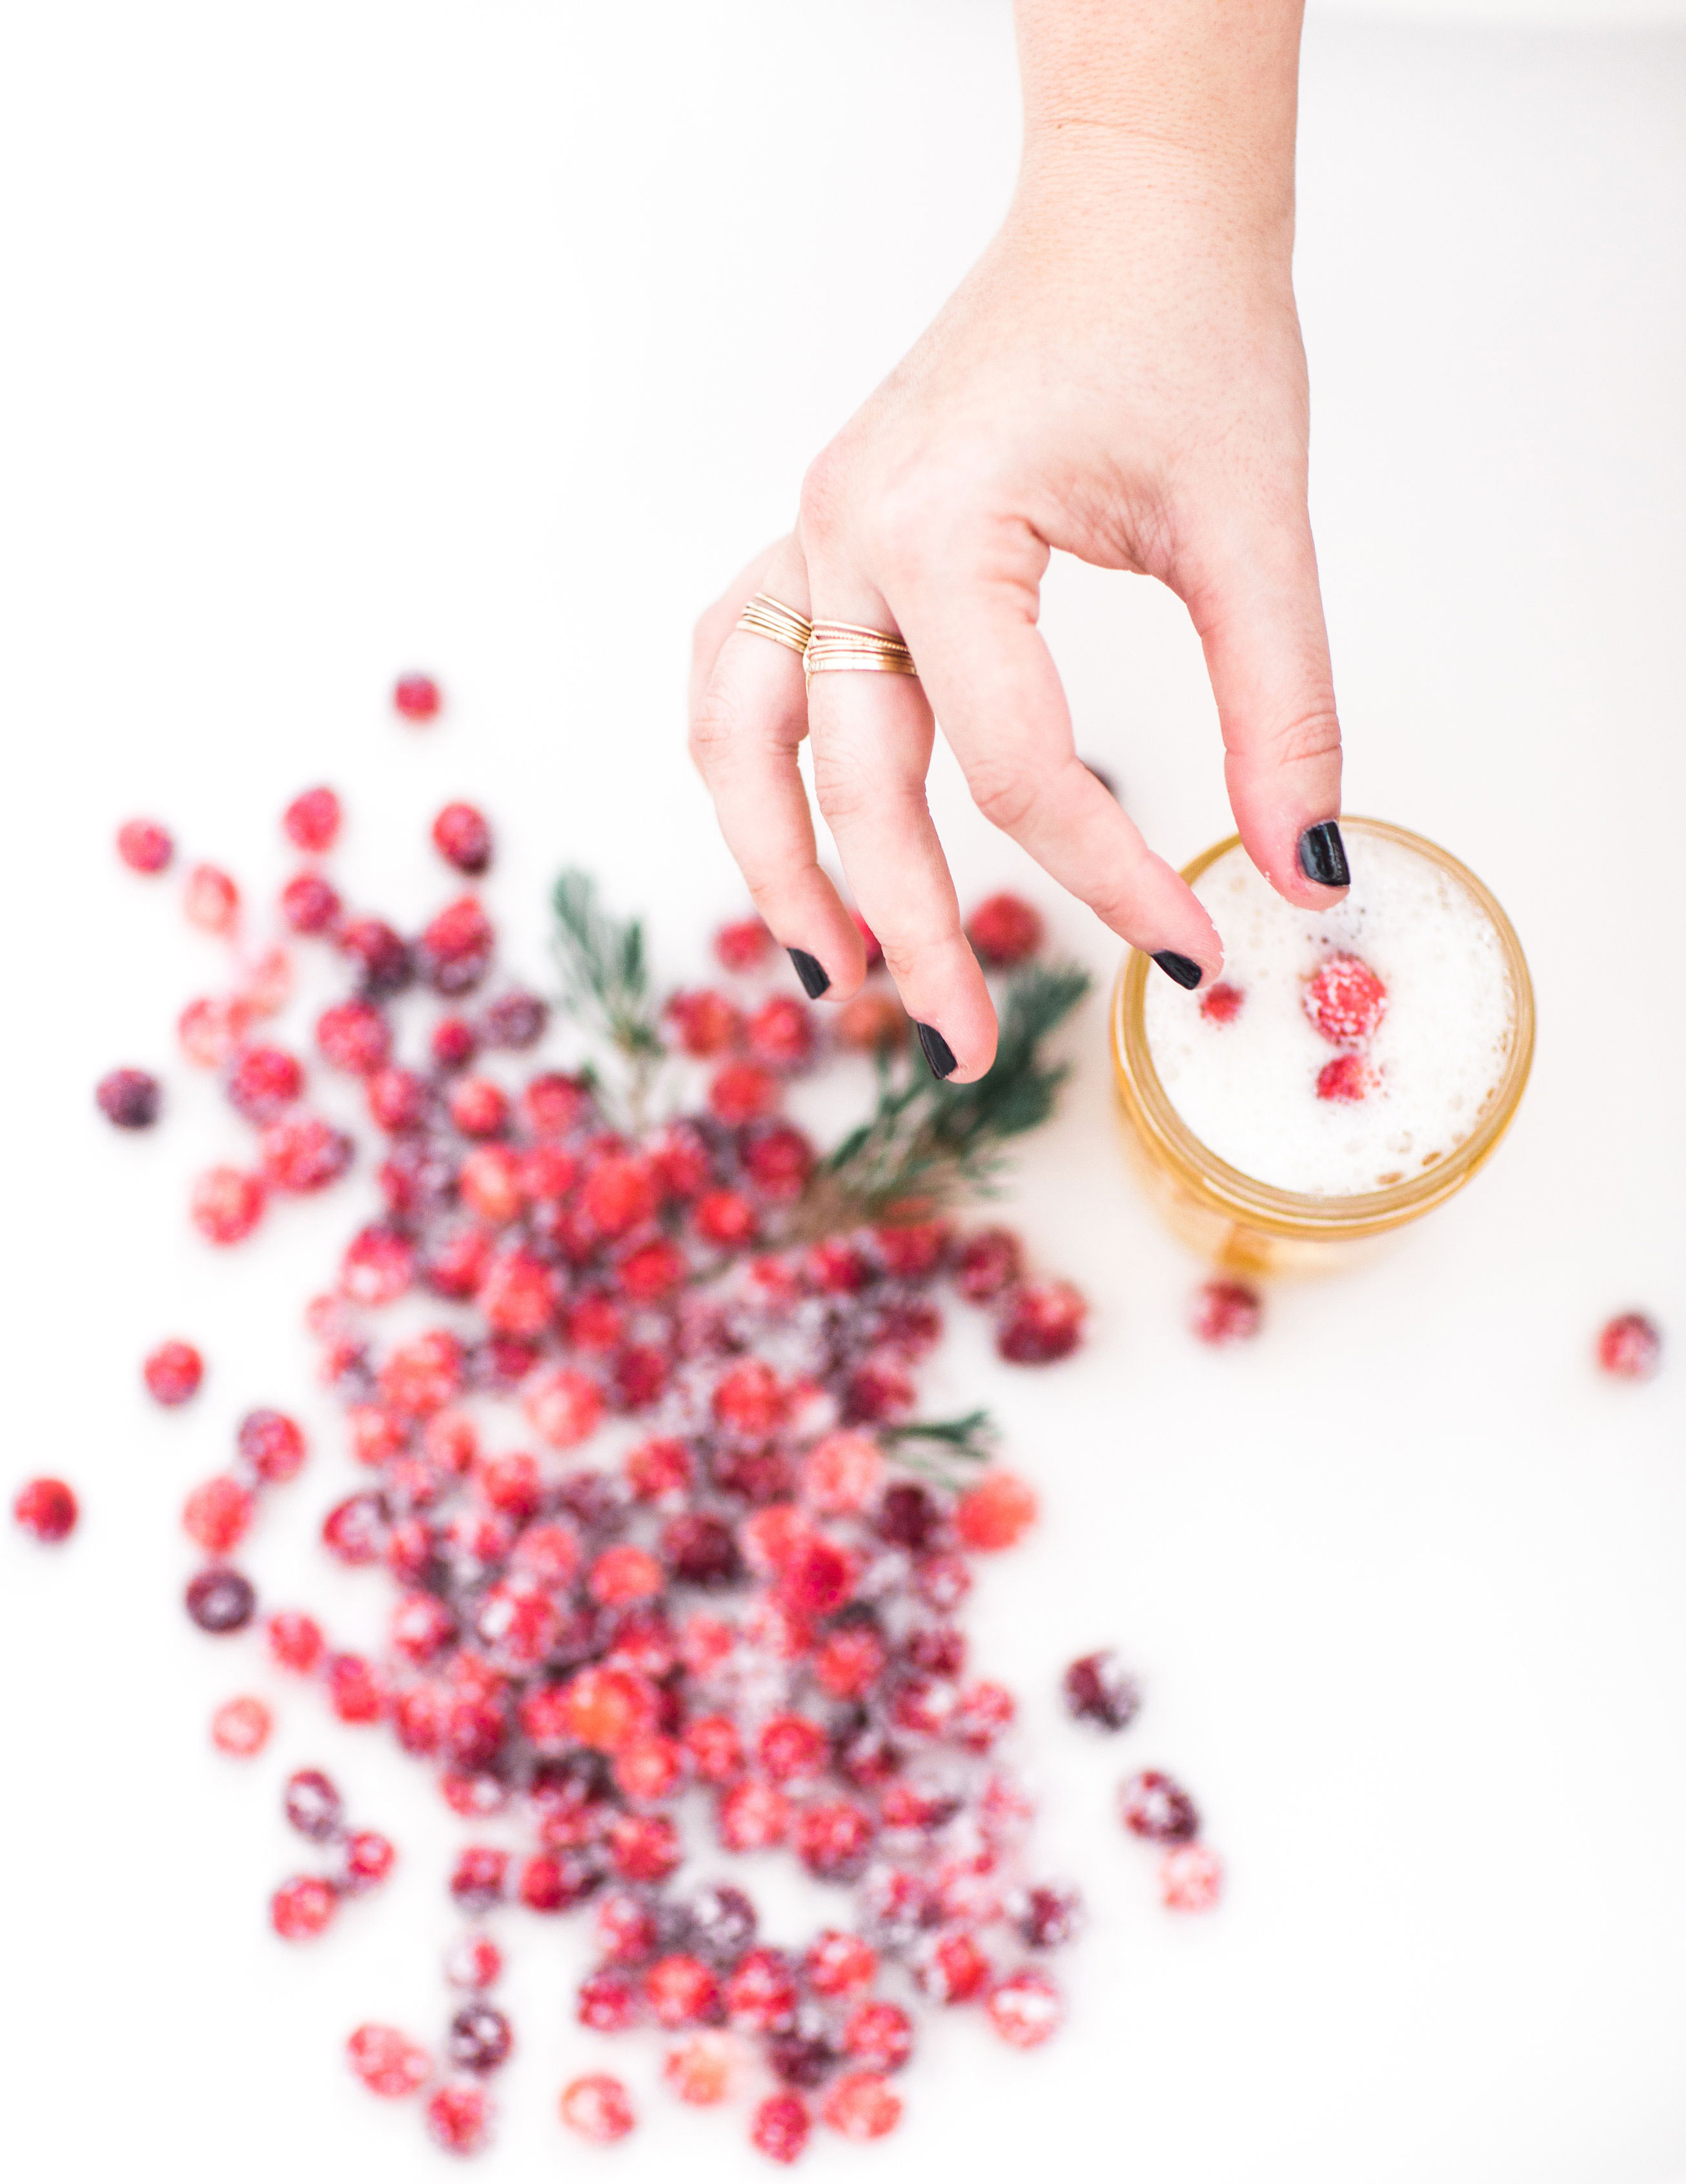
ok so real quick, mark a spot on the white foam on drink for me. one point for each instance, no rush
(1247, 1088)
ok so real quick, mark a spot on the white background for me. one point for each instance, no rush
(491, 338)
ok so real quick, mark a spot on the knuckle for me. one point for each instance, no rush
(1305, 737)
(824, 497)
(713, 730)
(1005, 795)
(841, 791)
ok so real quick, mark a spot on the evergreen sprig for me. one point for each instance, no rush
(971, 1435)
(605, 975)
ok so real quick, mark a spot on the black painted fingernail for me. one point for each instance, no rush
(1323, 855)
(810, 970)
(938, 1051)
(1183, 968)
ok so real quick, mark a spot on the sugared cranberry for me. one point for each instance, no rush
(1221, 1004)
(263, 1081)
(1025, 2010)
(743, 946)
(1630, 1346)
(455, 951)
(311, 820)
(780, 1034)
(598, 2107)
(1226, 1311)
(908, 1517)
(46, 1508)
(226, 1205)
(475, 1961)
(217, 1514)
(742, 1092)
(463, 838)
(477, 1881)
(997, 1513)
(1045, 1918)
(879, 2034)
(220, 1599)
(453, 1045)
(458, 2118)
(313, 1805)
(606, 2003)
(950, 1968)
(173, 1373)
(354, 1036)
(309, 904)
(241, 1727)
(1346, 1001)
(840, 1964)
(1099, 1689)
(479, 2039)
(387, 2061)
(988, 1265)
(417, 697)
(681, 1990)
(761, 1995)
(295, 1641)
(144, 846)
(212, 901)
(706, 1021)
(128, 1098)
(380, 954)
(514, 1021)
(701, 2070)
(802, 2056)
(779, 2127)
(210, 1029)
(862, 2105)
(1153, 1806)
(302, 1907)
(1191, 1878)
(1041, 1322)
(1349, 1078)
(1004, 931)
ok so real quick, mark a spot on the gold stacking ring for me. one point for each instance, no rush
(835, 645)
(766, 616)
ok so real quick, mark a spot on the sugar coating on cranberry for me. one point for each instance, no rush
(302, 1908)
(1225, 1312)
(226, 1205)
(417, 697)
(1024, 2008)
(311, 820)
(996, 1513)
(219, 1600)
(387, 2061)
(144, 846)
(212, 900)
(479, 2038)
(1098, 1688)
(780, 2127)
(1630, 1346)
(459, 2118)
(1345, 1000)
(1221, 1004)
(46, 1509)
(862, 2105)
(173, 1373)
(463, 838)
(1347, 1079)
(128, 1098)
(702, 2069)
(743, 946)
(313, 1805)
(1191, 1878)
(1004, 931)
(1153, 1806)
(240, 1727)
(1040, 1323)
(598, 2108)
(475, 1961)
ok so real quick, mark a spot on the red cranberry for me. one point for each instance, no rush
(313, 1805)
(1004, 931)
(128, 1098)
(706, 1022)
(463, 838)
(417, 697)
(950, 1968)
(597, 2107)
(311, 820)
(1221, 1004)
(1040, 1323)
(173, 1373)
(714, 1749)
(761, 1996)
(46, 1509)
(1154, 1806)
(779, 2127)
(1024, 2010)
(1348, 1078)
(474, 1962)
(354, 1690)
(742, 1092)
(1097, 1689)
(309, 904)
(1191, 1878)
(989, 1263)
(355, 1037)
(725, 1218)
(681, 1990)
(226, 1205)
(478, 1107)
(453, 1045)
(607, 2004)
(879, 2034)
(455, 951)
(212, 901)
(479, 2039)
(380, 954)
(387, 2061)
(996, 1513)
(296, 1641)
(301, 1908)
(1226, 1311)
(144, 846)
(220, 1599)
(1045, 1918)
(780, 1034)
(241, 1727)
(1630, 1346)
(476, 1882)
(369, 1858)
(217, 1515)
(458, 2118)
(862, 2106)
(1346, 1001)
(742, 946)
(263, 1081)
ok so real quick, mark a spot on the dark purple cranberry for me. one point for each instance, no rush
(908, 1517)
(380, 954)
(480, 2039)
(574, 1778)
(516, 1021)
(756, 1475)
(129, 1098)
(595, 1501)
(720, 1922)
(220, 1599)
(1046, 1917)
(938, 1648)
(701, 1550)
(313, 1805)
(864, 1754)
(1098, 1689)
(1152, 1805)
(800, 2058)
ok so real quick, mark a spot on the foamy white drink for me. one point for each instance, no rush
(1400, 1093)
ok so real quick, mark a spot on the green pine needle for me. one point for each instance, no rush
(604, 976)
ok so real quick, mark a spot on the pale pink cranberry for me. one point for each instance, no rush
(702, 2069)
(1346, 1001)
(266, 981)
(128, 1098)
(311, 820)
(295, 1640)
(598, 2107)
(212, 900)
(46, 1508)
(304, 1153)
(1153, 1806)
(263, 1081)
(144, 846)
(997, 1513)
(173, 1373)
(1026, 2008)
(458, 2118)
(841, 1473)
(478, 1107)
(417, 697)
(564, 1408)
(1099, 1689)
(210, 1029)
(1040, 1323)
(301, 1908)
(370, 1857)
(880, 2035)
(1630, 1346)
(780, 2127)
(1221, 1004)
(1226, 1311)
(862, 2105)
(1004, 931)
(982, 1714)
(839, 1964)
(217, 1515)
(1191, 1878)
(475, 1961)
(378, 1265)
(354, 1036)
(241, 1727)
(1349, 1078)
(753, 1815)
(387, 2061)
(309, 904)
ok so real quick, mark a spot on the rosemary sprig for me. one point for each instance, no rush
(606, 979)
(927, 1140)
(974, 1436)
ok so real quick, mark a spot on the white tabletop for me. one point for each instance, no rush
(491, 339)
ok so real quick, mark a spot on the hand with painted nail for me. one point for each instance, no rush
(1120, 377)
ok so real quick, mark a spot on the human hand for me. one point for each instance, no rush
(1121, 376)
